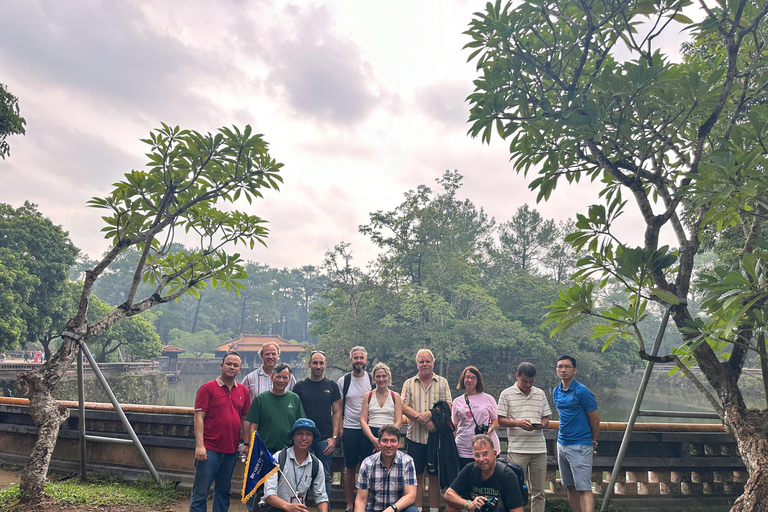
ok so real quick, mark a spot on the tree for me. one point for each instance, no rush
(135, 335)
(197, 343)
(525, 237)
(11, 123)
(43, 252)
(685, 141)
(188, 175)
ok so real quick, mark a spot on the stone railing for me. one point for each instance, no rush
(685, 465)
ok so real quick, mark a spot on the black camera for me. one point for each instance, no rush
(490, 504)
(481, 429)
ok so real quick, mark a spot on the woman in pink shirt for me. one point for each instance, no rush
(473, 412)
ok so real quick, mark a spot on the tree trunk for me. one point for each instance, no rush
(750, 429)
(47, 414)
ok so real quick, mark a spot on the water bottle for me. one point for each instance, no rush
(243, 455)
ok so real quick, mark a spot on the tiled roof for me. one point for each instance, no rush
(167, 349)
(253, 342)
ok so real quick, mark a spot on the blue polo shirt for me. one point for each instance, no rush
(573, 404)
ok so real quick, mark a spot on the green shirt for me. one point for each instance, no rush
(275, 416)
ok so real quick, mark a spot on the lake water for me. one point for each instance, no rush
(182, 393)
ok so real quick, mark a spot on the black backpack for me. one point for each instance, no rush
(345, 390)
(519, 474)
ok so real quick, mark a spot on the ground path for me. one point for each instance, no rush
(8, 478)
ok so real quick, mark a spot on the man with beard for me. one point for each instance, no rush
(321, 399)
(387, 481)
(483, 479)
(297, 474)
(353, 386)
(260, 379)
(220, 406)
(274, 412)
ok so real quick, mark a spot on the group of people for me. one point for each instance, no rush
(453, 442)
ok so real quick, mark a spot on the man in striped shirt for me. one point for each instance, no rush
(420, 393)
(260, 380)
(524, 410)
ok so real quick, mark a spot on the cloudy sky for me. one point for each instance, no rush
(361, 101)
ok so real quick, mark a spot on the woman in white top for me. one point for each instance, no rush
(381, 406)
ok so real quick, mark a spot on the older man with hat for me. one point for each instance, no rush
(300, 472)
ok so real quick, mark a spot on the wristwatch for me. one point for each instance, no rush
(335, 438)
(394, 506)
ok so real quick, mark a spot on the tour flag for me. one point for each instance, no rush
(259, 466)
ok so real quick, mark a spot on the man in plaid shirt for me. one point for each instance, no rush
(387, 479)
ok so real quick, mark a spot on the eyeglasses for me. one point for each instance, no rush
(316, 352)
(559, 367)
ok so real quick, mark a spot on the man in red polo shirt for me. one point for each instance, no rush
(220, 409)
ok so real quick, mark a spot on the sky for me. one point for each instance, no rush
(362, 101)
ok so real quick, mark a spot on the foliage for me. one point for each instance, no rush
(11, 122)
(189, 176)
(98, 491)
(684, 141)
(197, 343)
(135, 336)
(35, 255)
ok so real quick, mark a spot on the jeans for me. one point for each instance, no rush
(217, 468)
(317, 448)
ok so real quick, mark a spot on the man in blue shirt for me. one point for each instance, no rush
(576, 436)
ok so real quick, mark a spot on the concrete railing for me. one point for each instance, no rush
(663, 462)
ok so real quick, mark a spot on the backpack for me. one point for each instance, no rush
(281, 458)
(345, 390)
(519, 475)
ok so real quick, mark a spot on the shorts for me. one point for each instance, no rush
(575, 464)
(418, 452)
(356, 447)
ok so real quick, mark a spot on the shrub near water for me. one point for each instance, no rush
(97, 490)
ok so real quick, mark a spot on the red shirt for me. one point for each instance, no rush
(224, 410)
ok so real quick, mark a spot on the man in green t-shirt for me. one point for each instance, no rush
(273, 412)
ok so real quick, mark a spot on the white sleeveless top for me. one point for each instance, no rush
(380, 416)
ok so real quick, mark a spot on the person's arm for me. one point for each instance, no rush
(279, 503)
(245, 432)
(408, 498)
(453, 499)
(594, 426)
(361, 499)
(409, 411)
(544, 422)
(200, 452)
(523, 424)
(364, 421)
(321, 494)
(336, 421)
(398, 410)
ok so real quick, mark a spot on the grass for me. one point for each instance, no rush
(97, 490)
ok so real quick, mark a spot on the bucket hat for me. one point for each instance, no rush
(303, 424)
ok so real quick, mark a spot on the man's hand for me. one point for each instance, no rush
(525, 425)
(477, 503)
(296, 507)
(244, 450)
(431, 426)
(424, 417)
(331, 446)
(201, 453)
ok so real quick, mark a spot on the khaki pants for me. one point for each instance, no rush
(535, 466)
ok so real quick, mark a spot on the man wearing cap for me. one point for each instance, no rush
(220, 408)
(297, 474)
(387, 480)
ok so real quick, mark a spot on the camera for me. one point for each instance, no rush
(490, 504)
(481, 429)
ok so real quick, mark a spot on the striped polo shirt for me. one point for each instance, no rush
(515, 405)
